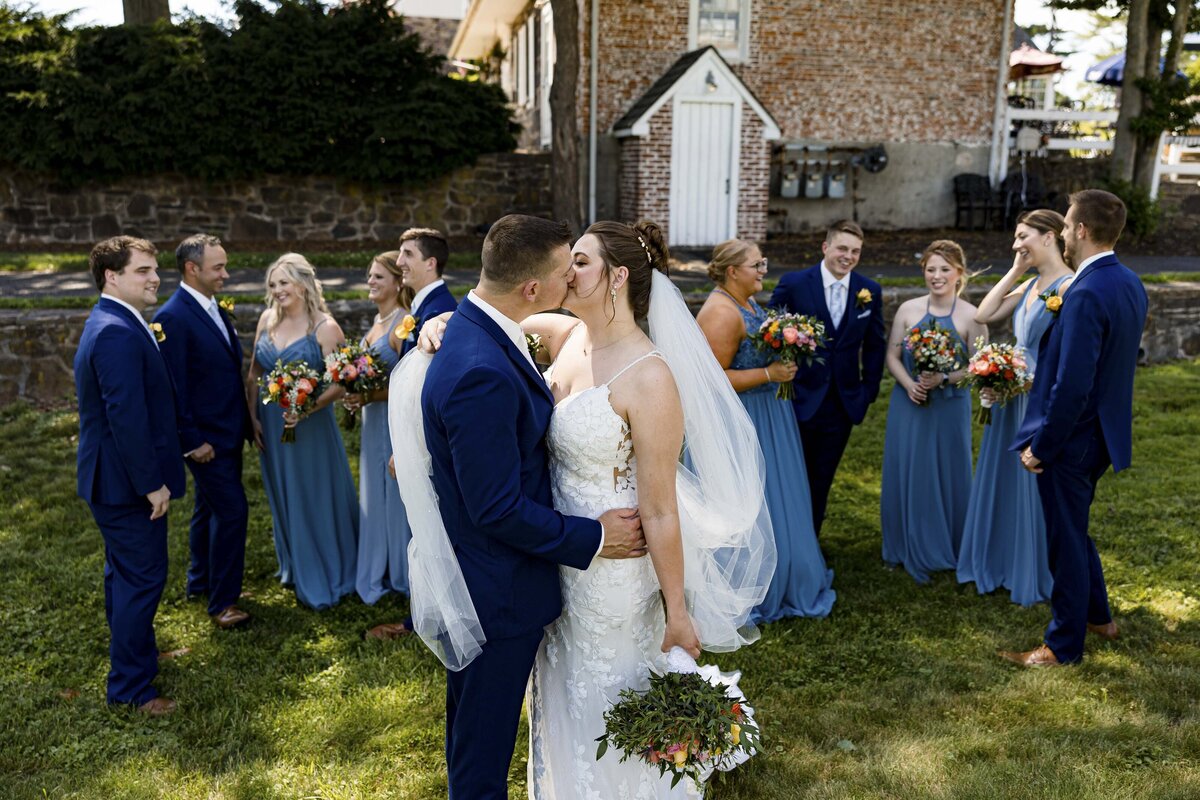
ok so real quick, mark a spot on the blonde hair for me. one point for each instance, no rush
(730, 253)
(301, 273)
(387, 260)
(953, 253)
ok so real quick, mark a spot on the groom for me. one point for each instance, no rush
(832, 395)
(486, 410)
(1080, 419)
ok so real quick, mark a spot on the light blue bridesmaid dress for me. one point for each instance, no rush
(1004, 536)
(310, 490)
(383, 531)
(926, 471)
(802, 585)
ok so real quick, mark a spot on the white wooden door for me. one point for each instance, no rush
(703, 172)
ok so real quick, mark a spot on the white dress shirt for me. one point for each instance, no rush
(829, 281)
(137, 314)
(209, 304)
(1088, 261)
(420, 296)
(512, 329)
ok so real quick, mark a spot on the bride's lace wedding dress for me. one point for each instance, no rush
(612, 624)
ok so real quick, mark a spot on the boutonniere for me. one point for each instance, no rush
(157, 329)
(226, 304)
(534, 342)
(406, 327)
(1053, 301)
(864, 297)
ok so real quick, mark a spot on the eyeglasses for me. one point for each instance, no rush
(760, 266)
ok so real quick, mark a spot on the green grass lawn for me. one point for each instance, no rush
(898, 694)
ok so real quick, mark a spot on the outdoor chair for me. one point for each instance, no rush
(1022, 192)
(975, 202)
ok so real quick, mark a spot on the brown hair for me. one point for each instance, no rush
(730, 253)
(641, 248)
(1043, 220)
(844, 226)
(114, 254)
(517, 248)
(387, 260)
(431, 243)
(953, 253)
(1102, 213)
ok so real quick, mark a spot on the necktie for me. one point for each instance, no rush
(837, 305)
(215, 313)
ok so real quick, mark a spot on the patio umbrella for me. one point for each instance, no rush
(1027, 61)
(1111, 71)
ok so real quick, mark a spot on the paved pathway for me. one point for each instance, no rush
(250, 281)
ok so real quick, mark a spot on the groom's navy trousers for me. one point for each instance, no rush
(1079, 421)
(486, 410)
(128, 448)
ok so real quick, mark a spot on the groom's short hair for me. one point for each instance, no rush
(114, 253)
(1102, 213)
(518, 248)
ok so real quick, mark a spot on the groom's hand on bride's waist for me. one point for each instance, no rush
(622, 534)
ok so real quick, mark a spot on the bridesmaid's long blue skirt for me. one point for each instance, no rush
(802, 583)
(926, 480)
(1004, 536)
(313, 504)
(383, 533)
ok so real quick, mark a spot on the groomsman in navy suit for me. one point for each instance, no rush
(832, 397)
(1080, 419)
(424, 254)
(204, 356)
(128, 464)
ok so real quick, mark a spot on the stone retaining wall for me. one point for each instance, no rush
(37, 347)
(274, 208)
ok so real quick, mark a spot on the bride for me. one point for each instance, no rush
(627, 404)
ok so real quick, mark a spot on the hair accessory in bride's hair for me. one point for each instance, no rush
(642, 242)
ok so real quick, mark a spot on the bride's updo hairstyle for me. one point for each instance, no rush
(640, 248)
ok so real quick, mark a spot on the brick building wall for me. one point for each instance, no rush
(645, 178)
(754, 178)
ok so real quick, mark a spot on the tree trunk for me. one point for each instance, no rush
(564, 100)
(1124, 142)
(1146, 148)
(1179, 26)
(143, 12)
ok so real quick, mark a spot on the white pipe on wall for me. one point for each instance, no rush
(998, 159)
(594, 58)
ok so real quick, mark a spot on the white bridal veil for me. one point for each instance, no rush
(728, 542)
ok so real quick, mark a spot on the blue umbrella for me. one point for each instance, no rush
(1111, 71)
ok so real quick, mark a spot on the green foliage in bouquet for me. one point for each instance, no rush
(682, 724)
(304, 88)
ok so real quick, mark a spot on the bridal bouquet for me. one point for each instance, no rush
(933, 349)
(1001, 368)
(352, 367)
(795, 338)
(293, 387)
(687, 723)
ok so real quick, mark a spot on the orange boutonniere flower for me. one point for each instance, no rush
(226, 304)
(1053, 301)
(864, 297)
(157, 329)
(406, 327)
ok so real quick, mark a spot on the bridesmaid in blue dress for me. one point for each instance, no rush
(307, 482)
(383, 531)
(1004, 537)
(927, 446)
(802, 585)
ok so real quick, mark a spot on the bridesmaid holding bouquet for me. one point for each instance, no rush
(1004, 537)
(927, 446)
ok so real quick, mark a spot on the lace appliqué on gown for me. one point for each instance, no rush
(612, 624)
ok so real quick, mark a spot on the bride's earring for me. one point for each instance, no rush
(612, 292)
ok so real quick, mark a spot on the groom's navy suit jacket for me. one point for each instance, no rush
(439, 301)
(1085, 368)
(128, 444)
(206, 365)
(486, 411)
(854, 350)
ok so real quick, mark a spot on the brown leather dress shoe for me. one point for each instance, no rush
(171, 655)
(1040, 657)
(1106, 631)
(387, 631)
(231, 617)
(158, 707)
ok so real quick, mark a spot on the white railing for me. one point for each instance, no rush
(1171, 148)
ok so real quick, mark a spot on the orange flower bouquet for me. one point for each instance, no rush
(1000, 368)
(794, 338)
(352, 367)
(293, 387)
